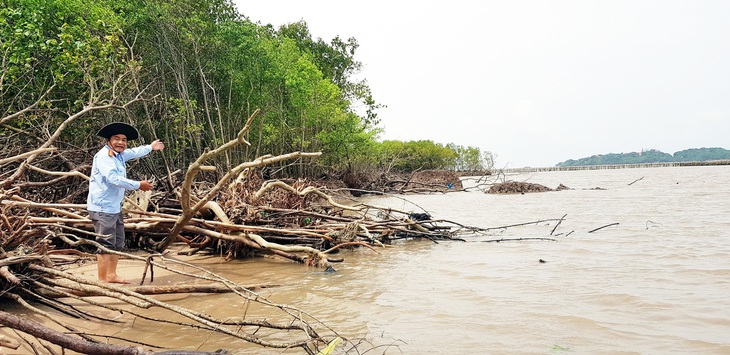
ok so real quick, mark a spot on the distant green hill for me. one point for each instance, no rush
(651, 156)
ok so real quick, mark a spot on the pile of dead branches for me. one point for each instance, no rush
(517, 187)
(43, 235)
(417, 182)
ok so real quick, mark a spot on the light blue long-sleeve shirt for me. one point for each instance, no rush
(108, 181)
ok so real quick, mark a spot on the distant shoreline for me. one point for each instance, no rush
(618, 166)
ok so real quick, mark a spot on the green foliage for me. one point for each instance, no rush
(470, 158)
(651, 156)
(702, 154)
(346, 144)
(336, 61)
(65, 53)
(425, 154)
(204, 68)
(65, 42)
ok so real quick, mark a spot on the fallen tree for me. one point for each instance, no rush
(44, 236)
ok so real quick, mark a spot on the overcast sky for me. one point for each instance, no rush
(536, 82)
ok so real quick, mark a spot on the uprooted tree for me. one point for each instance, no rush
(58, 82)
(235, 213)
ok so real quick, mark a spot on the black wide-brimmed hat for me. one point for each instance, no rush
(115, 128)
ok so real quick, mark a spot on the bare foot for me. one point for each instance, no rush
(118, 280)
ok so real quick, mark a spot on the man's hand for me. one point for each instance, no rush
(157, 145)
(145, 185)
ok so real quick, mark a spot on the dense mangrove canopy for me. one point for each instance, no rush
(191, 73)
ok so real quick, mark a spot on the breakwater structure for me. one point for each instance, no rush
(616, 166)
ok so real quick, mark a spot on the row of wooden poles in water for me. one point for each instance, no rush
(617, 166)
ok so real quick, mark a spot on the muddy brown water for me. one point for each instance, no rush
(656, 283)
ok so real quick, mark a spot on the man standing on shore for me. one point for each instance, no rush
(107, 184)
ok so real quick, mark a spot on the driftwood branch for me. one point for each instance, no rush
(32, 153)
(557, 224)
(633, 182)
(599, 228)
(189, 211)
(66, 341)
(515, 239)
(306, 191)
